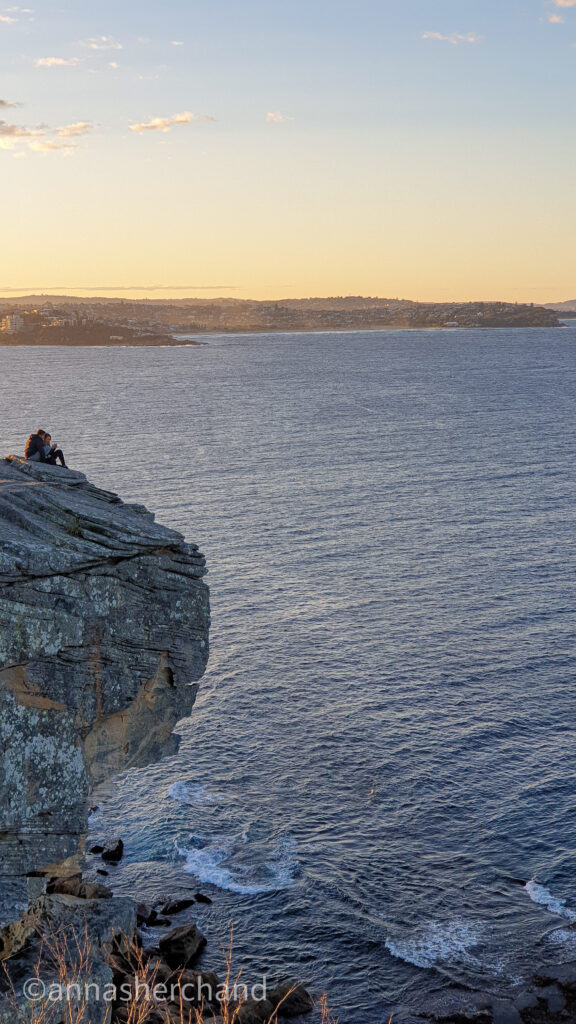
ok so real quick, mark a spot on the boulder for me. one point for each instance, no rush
(145, 914)
(504, 1012)
(526, 1001)
(561, 974)
(113, 851)
(200, 898)
(195, 987)
(291, 1000)
(74, 885)
(253, 1011)
(182, 946)
(175, 906)
(553, 997)
(159, 970)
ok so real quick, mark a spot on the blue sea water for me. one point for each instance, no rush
(377, 784)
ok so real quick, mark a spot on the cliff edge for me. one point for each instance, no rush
(104, 619)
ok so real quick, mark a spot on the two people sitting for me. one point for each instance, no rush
(39, 448)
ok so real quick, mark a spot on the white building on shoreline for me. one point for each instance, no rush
(12, 324)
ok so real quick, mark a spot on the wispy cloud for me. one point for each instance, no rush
(565, 3)
(72, 131)
(176, 42)
(275, 117)
(18, 131)
(113, 64)
(5, 19)
(57, 62)
(556, 19)
(12, 134)
(4, 104)
(455, 38)
(101, 43)
(165, 124)
(49, 146)
(42, 138)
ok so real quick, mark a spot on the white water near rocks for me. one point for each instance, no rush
(378, 781)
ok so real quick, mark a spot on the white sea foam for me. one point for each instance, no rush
(540, 894)
(217, 865)
(566, 938)
(439, 942)
(189, 794)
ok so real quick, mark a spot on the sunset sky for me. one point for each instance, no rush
(274, 148)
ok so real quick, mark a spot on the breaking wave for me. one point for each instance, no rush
(439, 942)
(228, 865)
(189, 794)
(541, 895)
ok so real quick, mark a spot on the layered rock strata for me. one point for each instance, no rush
(104, 619)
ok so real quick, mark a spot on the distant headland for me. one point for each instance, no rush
(68, 320)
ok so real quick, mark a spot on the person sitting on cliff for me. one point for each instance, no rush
(40, 449)
(52, 452)
(34, 451)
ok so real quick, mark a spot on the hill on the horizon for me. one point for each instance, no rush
(563, 307)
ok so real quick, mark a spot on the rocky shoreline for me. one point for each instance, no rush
(549, 998)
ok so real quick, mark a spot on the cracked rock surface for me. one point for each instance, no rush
(104, 619)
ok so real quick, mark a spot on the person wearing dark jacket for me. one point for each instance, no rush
(34, 450)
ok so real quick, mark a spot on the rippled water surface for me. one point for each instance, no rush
(383, 753)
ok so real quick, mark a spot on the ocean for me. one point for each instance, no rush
(377, 784)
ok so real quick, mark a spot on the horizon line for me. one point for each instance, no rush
(23, 293)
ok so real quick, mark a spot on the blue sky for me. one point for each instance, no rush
(362, 138)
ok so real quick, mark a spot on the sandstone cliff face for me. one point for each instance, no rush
(104, 622)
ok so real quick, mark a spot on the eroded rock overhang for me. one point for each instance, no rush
(104, 619)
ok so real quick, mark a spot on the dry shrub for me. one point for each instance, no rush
(67, 961)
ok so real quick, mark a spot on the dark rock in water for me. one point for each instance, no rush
(291, 1000)
(74, 885)
(101, 871)
(97, 848)
(200, 898)
(145, 914)
(505, 1013)
(561, 974)
(553, 997)
(526, 1001)
(113, 851)
(182, 946)
(176, 906)
(162, 922)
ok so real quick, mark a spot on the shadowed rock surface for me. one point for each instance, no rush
(104, 621)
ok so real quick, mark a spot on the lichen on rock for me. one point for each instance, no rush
(104, 618)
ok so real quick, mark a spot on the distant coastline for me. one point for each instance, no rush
(180, 341)
(65, 321)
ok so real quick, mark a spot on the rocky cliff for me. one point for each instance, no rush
(104, 620)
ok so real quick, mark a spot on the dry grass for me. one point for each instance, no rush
(66, 963)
